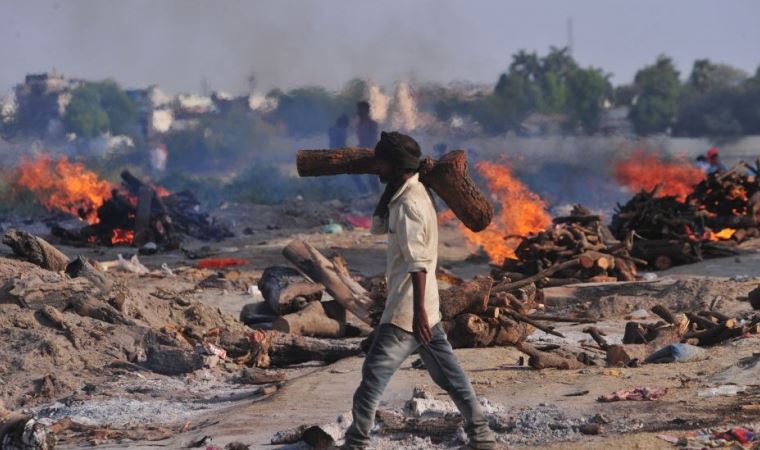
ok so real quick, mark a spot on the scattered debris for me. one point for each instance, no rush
(637, 394)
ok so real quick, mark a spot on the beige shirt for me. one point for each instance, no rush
(412, 229)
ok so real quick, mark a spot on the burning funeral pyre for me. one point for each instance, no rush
(133, 213)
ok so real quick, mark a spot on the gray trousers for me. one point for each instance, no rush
(390, 348)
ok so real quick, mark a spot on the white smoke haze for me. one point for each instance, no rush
(178, 43)
(378, 103)
(404, 109)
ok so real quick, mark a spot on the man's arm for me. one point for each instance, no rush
(420, 324)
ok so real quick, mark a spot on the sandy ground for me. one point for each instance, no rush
(318, 394)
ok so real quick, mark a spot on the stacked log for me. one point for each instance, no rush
(668, 231)
(475, 313)
(576, 248)
(731, 199)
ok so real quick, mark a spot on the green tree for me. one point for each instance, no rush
(98, 107)
(121, 110)
(706, 76)
(659, 88)
(587, 91)
(84, 116)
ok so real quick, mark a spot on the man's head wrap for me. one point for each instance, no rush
(399, 149)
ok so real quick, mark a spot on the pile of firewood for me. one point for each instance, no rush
(667, 231)
(137, 214)
(731, 199)
(576, 248)
(475, 313)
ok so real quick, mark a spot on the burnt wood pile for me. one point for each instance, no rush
(731, 199)
(136, 214)
(669, 232)
(576, 248)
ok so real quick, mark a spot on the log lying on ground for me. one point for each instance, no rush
(469, 330)
(36, 290)
(334, 277)
(546, 360)
(310, 321)
(272, 348)
(285, 290)
(447, 177)
(471, 296)
(35, 250)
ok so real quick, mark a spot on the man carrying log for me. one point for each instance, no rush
(411, 320)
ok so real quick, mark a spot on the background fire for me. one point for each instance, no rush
(63, 185)
(643, 170)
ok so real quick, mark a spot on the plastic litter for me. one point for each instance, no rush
(648, 276)
(332, 228)
(219, 263)
(677, 353)
(727, 390)
(638, 394)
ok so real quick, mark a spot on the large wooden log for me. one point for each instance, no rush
(36, 290)
(310, 321)
(447, 177)
(286, 291)
(472, 296)
(275, 349)
(545, 360)
(35, 250)
(334, 277)
(469, 330)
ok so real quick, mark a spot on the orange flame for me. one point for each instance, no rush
(644, 170)
(520, 212)
(722, 235)
(63, 185)
(122, 237)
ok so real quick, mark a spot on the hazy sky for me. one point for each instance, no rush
(177, 43)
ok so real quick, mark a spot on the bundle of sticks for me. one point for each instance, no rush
(667, 230)
(576, 248)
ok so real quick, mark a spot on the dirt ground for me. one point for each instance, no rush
(211, 403)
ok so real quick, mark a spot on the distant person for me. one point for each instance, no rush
(366, 129)
(338, 133)
(702, 163)
(713, 159)
(338, 137)
(367, 134)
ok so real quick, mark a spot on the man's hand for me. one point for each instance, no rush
(420, 324)
(421, 327)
